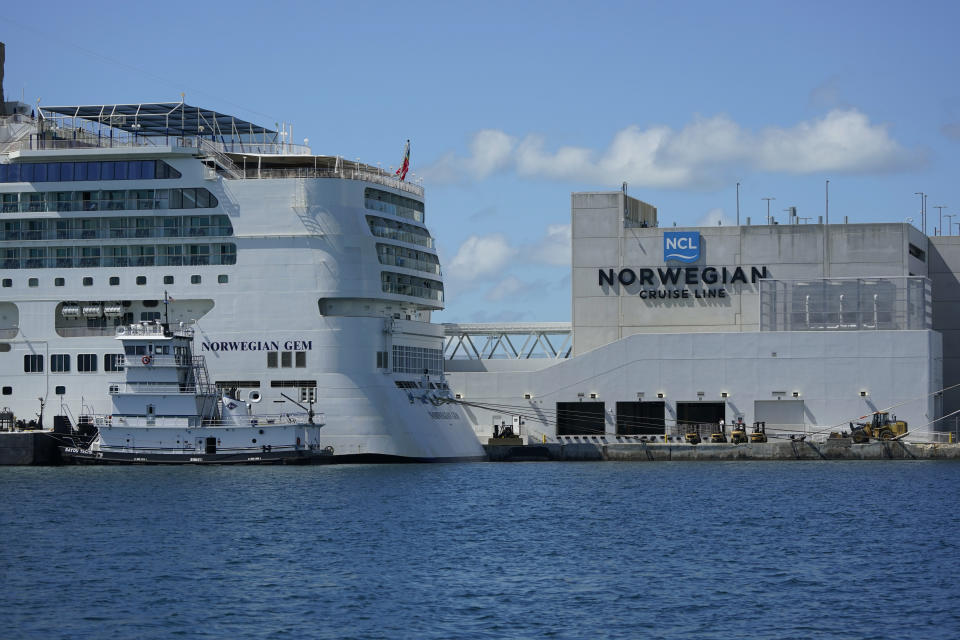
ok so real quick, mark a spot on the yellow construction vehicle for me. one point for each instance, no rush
(693, 434)
(880, 427)
(759, 433)
(738, 432)
(719, 433)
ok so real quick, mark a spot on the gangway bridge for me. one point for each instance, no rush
(511, 340)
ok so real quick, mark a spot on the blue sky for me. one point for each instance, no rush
(511, 106)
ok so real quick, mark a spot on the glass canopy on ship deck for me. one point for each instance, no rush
(156, 123)
(238, 148)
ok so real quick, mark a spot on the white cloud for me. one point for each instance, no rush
(513, 287)
(554, 248)
(481, 256)
(705, 152)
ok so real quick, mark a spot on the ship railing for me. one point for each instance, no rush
(84, 332)
(145, 330)
(159, 361)
(409, 263)
(346, 173)
(152, 388)
(411, 290)
(403, 236)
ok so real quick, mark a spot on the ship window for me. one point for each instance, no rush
(60, 363)
(272, 359)
(149, 316)
(151, 303)
(114, 281)
(286, 359)
(32, 363)
(301, 359)
(58, 282)
(195, 279)
(223, 278)
(293, 383)
(135, 350)
(7, 282)
(141, 280)
(88, 281)
(167, 279)
(382, 361)
(86, 362)
(60, 391)
(4, 347)
(33, 282)
(8, 391)
(113, 362)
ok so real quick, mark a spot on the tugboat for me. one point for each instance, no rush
(167, 411)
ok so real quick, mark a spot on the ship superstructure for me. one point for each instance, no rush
(301, 274)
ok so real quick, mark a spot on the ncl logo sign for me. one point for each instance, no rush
(683, 246)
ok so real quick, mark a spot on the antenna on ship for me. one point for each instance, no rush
(166, 311)
(309, 410)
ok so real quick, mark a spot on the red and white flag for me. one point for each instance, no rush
(405, 165)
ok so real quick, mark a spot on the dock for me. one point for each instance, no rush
(833, 449)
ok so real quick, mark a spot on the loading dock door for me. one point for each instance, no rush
(700, 413)
(580, 418)
(640, 418)
(780, 415)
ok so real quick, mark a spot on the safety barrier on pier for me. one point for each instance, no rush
(515, 340)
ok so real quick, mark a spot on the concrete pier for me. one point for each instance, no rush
(839, 449)
(28, 448)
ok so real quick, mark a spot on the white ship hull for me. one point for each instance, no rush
(314, 302)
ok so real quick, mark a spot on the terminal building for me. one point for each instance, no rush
(805, 327)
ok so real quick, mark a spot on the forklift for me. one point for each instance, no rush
(759, 433)
(693, 434)
(738, 432)
(719, 433)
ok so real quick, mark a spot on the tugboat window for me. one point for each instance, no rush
(33, 363)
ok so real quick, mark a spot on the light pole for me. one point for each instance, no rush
(940, 208)
(923, 208)
(826, 210)
(949, 226)
(738, 204)
(768, 207)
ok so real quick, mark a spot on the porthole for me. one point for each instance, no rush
(261, 431)
(254, 441)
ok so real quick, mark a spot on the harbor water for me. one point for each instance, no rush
(526, 550)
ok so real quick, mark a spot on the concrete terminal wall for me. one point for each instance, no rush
(827, 370)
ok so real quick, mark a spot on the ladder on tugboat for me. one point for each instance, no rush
(201, 376)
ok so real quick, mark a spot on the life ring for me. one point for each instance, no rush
(145, 359)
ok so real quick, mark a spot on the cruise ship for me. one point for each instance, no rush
(301, 275)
